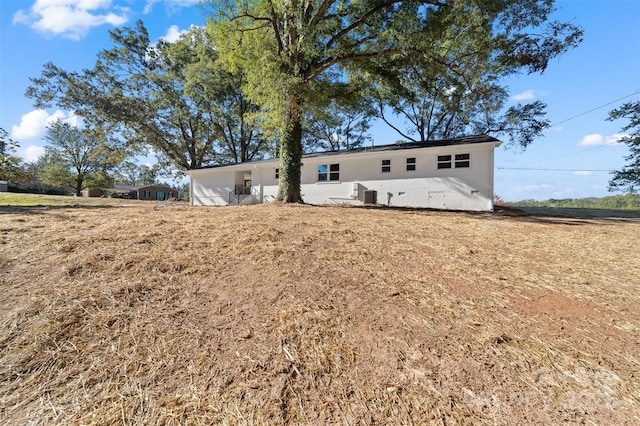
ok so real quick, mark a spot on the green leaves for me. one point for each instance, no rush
(75, 155)
(171, 97)
(628, 178)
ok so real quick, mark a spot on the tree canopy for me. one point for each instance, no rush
(11, 169)
(628, 178)
(340, 124)
(301, 53)
(75, 155)
(130, 173)
(170, 97)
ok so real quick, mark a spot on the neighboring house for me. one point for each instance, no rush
(92, 192)
(156, 192)
(149, 192)
(444, 174)
(3, 186)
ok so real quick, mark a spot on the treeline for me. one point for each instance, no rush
(618, 202)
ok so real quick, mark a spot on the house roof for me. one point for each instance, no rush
(122, 187)
(466, 140)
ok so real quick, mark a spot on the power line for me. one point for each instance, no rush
(596, 108)
(553, 170)
(580, 115)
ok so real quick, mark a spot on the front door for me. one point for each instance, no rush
(247, 186)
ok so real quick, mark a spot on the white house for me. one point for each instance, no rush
(452, 173)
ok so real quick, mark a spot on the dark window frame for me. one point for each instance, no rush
(453, 161)
(329, 172)
(411, 164)
(444, 161)
(462, 161)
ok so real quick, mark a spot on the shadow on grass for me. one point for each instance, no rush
(575, 216)
(40, 209)
(564, 216)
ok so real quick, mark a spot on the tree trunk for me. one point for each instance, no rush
(291, 158)
(79, 181)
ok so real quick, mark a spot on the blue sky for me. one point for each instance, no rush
(571, 161)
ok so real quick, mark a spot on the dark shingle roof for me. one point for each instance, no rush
(466, 140)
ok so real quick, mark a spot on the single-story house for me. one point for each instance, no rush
(148, 192)
(156, 192)
(454, 173)
(92, 192)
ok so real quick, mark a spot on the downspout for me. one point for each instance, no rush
(260, 186)
(190, 189)
(492, 172)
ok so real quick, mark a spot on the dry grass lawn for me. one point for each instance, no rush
(169, 314)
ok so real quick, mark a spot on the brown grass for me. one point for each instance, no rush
(167, 314)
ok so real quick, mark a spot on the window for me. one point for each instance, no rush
(277, 173)
(160, 195)
(147, 194)
(329, 172)
(411, 164)
(322, 173)
(462, 160)
(444, 161)
(459, 161)
(386, 166)
(334, 172)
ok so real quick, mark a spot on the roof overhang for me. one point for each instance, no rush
(463, 141)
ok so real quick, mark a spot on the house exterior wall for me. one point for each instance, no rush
(464, 188)
(92, 192)
(156, 192)
(212, 188)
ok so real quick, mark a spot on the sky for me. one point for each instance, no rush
(572, 160)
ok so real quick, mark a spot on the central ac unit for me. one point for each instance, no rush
(370, 197)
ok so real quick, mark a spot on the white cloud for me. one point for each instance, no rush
(598, 139)
(582, 173)
(531, 188)
(556, 129)
(565, 193)
(173, 33)
(33, 152)
(171, 6)
(149, 6)
(70, 18)
(33, 125)
(527, 95)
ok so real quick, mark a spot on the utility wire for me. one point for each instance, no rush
(596, 108)
(584, 150)
(554, 170)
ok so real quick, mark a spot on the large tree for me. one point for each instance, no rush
(628, 178)
(461, 93)
(11, 167)
(77, 155)
(130, 173)
(337, 125)
(295, 52)
(169, 97)
(422, 106)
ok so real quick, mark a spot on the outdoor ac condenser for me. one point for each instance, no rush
(370, 197)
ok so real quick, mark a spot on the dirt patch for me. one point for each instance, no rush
(168, 314)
